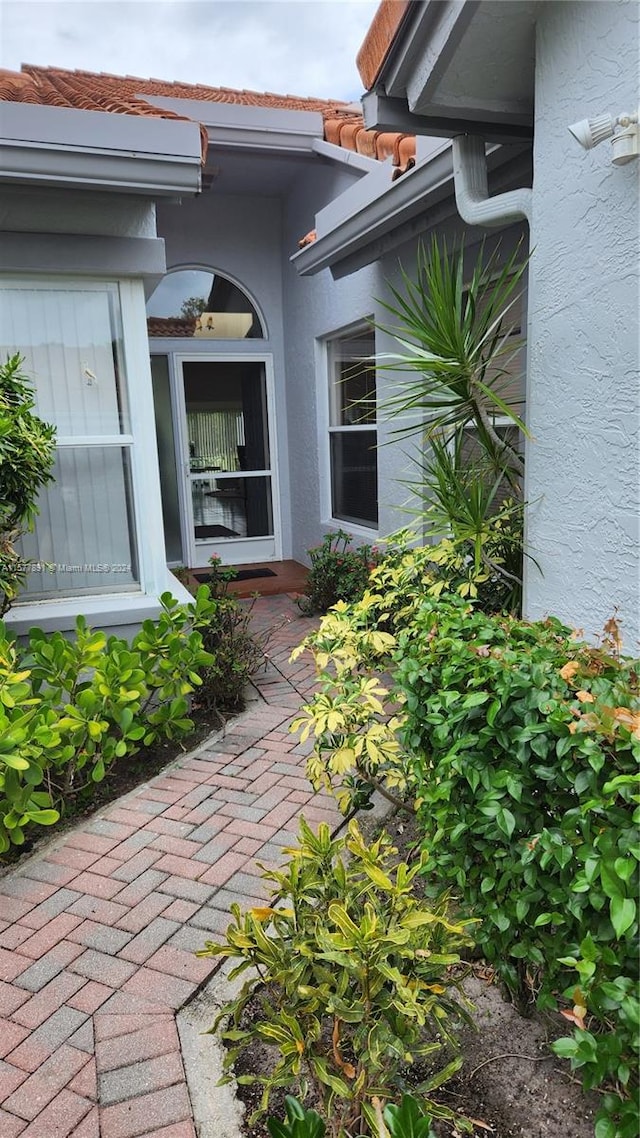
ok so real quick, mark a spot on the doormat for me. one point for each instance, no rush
(214, 531)
(241, 575)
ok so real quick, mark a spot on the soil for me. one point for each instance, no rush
(510, 1084)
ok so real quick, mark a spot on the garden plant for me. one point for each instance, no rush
(457, 350)
(517, 744)
(69, 708)
(354, 980)
(407, 1120)
(26, 456)
(339, 572)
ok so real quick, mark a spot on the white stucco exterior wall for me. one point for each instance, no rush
(583, 475)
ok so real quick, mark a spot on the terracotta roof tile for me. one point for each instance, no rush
(308, 239)
(379, 38)
(124, 94)
(53, 87)
(170, 326)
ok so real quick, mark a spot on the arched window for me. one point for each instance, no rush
(204, 305)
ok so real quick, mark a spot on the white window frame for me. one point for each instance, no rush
(131, 605)
(327, 429)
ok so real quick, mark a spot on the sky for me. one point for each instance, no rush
(301, 47)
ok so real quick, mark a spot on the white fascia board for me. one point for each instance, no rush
(64, 146)
(358, 223)
(235, 125)
(432, 30)
(345, 157)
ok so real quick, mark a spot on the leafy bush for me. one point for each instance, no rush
(26, 457)
(352, 973)
(236, 653)
(527, 745)
(405, 1121)
(338, 572)
(69, 708)
(520, 747)
(352, 717)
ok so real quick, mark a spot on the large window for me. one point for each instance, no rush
(70, 336)
(352, 429)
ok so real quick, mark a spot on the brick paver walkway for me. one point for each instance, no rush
(97, 934)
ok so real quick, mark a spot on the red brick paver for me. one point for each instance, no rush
(96, 933)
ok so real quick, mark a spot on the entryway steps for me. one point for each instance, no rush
(288, 577)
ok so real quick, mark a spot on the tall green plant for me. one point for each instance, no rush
(457, 340)
(455, 335)
(26, 456)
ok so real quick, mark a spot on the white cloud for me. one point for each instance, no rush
(301, 47)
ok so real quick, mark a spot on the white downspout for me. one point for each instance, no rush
(472, 190)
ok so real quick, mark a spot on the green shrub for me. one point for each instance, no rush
(520, 748)
(526, 769)
(236, 653)
(26, 456)
(70, 708)
(405, 1121)
(300, 1123)
(338, 572)
(352, 973)
(354, 722)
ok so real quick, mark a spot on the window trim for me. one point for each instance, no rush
(199, 267)
(110, 608)
(326, 429)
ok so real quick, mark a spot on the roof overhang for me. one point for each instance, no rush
(60, 146)
(238, 126)
(459, 66)
(354, 231)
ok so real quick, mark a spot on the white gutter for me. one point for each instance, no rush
(63, 146)
(472, 188)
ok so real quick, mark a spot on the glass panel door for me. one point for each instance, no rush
(228, 461)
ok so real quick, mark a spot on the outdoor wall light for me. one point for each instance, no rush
(623, 132)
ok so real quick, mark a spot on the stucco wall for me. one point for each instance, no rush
(33, 210)
(241, 237)
(583, 397)
(317, 307)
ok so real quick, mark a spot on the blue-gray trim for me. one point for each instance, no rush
(63, 146)
(404, 209)
(140, 257)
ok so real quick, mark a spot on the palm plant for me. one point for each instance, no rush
(456, 340)
(457, 344)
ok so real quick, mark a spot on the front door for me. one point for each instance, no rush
(229, 493)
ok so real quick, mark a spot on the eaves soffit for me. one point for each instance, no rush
(473, 59)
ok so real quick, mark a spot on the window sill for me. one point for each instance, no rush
(102, 611)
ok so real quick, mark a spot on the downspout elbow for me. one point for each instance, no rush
(472, 190)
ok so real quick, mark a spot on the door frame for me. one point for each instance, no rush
(181, 436)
